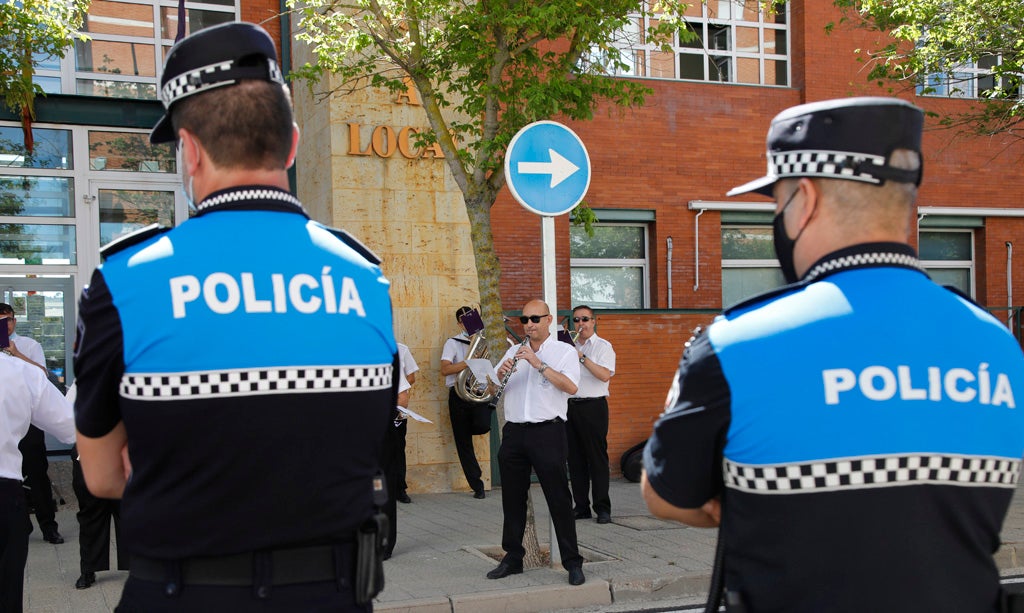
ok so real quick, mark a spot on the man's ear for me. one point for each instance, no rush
(191, 152)
(811, 200)
(295, 146)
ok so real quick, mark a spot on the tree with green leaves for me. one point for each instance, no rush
(483, 70)
(30, 29)
(963, 48)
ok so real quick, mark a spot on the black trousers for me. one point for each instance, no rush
(403, 431)
(34, 467)
(461, 414)
(94, 517)
(148, 596)
(588, 453)
(542, 448)
(14, 525)
(392, 452)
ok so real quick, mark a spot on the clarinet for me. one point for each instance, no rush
(508, 375)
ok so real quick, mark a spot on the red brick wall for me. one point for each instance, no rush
(265, 13)
(694, 141)
(647, 350)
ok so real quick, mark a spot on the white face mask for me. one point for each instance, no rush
(189, 191)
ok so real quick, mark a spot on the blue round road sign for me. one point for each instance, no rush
(547, 168)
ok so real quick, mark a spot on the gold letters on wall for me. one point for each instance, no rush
(385, 141)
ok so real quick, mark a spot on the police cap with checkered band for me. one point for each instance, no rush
(214, 57)
(848, 138)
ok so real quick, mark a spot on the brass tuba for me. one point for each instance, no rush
(466, 385)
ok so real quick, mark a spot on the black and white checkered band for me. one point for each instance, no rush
(248, 194)
(255, 381)
(827, 164)
(859, 260)
(872, 472)
(208, 77)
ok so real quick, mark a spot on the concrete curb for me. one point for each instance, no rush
(593, 593)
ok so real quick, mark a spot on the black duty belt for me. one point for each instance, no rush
(285, 566)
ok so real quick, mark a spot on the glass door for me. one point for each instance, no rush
(123, 208)
(44, 311)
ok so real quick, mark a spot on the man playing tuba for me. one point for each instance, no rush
(453, 361)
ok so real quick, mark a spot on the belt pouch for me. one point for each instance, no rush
(371, 539)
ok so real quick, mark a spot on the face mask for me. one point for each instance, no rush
(190, 195)
(783, 244)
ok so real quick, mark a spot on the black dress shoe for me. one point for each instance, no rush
(479, 495)
(52, 536)
(604, 518)
(404, 498)
(576, 576)
(582, 515)
(503, 570)
(85, 581)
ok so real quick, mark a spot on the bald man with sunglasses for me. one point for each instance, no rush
(544, 373)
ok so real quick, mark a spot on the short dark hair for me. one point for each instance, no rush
(462, 310)
(583, 306)
(6, 309)
(247, 125)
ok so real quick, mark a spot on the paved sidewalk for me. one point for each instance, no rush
(441, 558)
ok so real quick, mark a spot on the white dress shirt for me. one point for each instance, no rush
(26, 396)
(600, 352)
(30, 348)
(529, 396)
(406, 361)
(454, 352)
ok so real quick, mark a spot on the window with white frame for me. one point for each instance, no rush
(749, 266)
(736, 42)
(127, 42)
(948, 256)
(41, 191)
(974, 80)
(609, 269)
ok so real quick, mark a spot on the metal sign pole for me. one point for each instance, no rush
(550, 297)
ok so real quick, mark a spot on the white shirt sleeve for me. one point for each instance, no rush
(51, 411)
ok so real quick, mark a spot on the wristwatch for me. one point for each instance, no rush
(543, 367)
(583, 359)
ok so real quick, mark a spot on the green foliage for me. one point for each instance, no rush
(937, 38)
(40, 28)
(585, 217)
(483, 69)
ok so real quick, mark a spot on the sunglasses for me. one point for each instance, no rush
(583, 319)
(534, 318)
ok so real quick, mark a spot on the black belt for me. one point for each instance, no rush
(286, 567)
(530, 424)
(586, 399)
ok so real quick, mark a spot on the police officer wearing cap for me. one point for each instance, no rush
(854, 458)
(245, 464)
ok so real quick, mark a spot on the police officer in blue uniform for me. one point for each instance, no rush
(246, 464)
(855, 434)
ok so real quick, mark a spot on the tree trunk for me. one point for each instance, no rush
(489, 277)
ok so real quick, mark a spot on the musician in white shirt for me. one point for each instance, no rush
(541, 375)
(26, 396)
(588, 419)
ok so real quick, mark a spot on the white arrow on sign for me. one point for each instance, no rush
(559, 168)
